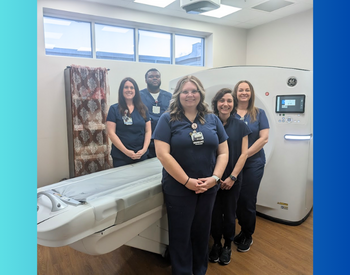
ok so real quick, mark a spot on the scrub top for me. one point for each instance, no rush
(236, 129)
(162, 101)
(198, 161)
(132, 136)
(260, 123)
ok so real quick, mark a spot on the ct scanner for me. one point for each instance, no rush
(286, 95)
(100, 212)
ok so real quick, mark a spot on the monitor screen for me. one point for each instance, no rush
(290, 103)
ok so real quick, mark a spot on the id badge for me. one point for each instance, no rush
(127, 120)
(197, 138)
(155, 109)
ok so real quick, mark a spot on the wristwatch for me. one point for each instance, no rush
(217, 179)
(233, 178)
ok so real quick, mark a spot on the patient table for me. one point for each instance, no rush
(100, 212)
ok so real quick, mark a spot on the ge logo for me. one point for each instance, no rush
(292, 81)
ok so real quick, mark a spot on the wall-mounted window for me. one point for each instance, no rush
(114, 43)
(67, 37)
(154, 47)
(189, 50)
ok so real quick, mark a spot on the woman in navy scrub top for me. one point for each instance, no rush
(191, 145)
(253, 169)
(129, 125)
(224, 214)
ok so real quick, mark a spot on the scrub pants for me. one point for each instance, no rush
(246, 206)
(224, 214)
(121, 162)
(189, 219)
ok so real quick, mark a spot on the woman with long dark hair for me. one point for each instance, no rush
(224, 214)
(129, 125)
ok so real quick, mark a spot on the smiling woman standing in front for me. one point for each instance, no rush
(191, 145)
(129, 125)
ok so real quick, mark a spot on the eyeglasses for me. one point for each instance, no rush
(194, 92)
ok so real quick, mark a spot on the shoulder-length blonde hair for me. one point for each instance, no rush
(175, 107)
(252, 110)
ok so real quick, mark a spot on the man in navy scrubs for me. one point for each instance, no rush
(156, 100)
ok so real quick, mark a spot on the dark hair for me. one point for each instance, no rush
(151, 70)
(252, 110)
(175, 107)
(136, 100)
(218, 96)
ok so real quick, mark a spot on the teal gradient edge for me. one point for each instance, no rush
(18, 136)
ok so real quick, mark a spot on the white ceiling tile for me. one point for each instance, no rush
(246, 18)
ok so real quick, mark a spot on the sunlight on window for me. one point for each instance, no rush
(67, 37)
(64, 37)
(154, 47)
(114, 43)
(189, 50)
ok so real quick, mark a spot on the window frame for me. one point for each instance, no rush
(202, 49)
(110, 25)
(72, 54)
(170, 45)
(113, 22)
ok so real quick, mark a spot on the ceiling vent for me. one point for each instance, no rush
(199, 6)
(272, 5)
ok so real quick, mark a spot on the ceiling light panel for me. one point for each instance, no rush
(272, 5)
(156, 3)
(224, 10)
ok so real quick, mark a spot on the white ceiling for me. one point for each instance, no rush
(246, 18)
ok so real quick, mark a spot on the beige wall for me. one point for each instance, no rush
(287, 42)
(52, 147)
(227, 46)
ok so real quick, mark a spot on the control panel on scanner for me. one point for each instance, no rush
(290, 109)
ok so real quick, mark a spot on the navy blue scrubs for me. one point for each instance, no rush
(132, 136)
(162, 102)
(253, 172)
(224, 212)
(189, 214)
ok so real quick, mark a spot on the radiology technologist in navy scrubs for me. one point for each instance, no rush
(224, 213)
(156, 100)
(253, 169)
(128, 125)
(191, 145)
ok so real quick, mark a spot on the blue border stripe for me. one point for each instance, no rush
(331, 138)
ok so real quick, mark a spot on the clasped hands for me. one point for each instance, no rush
(226, 184)
(131, 154)
(201, 185)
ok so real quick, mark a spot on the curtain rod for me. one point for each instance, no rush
(68, 67)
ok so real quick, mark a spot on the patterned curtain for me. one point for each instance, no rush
(90, 103)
